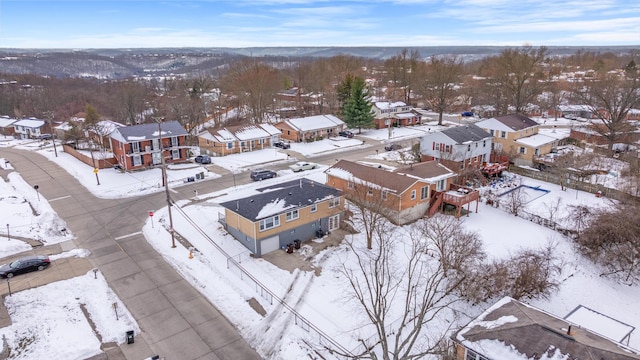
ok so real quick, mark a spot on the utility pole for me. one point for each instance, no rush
(53, 133)
(165, 183)
(389, 117)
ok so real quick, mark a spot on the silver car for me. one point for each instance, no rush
(302, 166)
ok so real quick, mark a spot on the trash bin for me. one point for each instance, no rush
(296, 244)
(319, 233)
(130, 337)
(289, 248)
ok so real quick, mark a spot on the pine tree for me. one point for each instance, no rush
(357, 109)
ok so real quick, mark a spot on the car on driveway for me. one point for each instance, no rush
(302, 166)
(282, 145)
(392, 147)
(346, 133)
(467, 113)
(45, 137)
(203, 159)
(261, 174)
(24, 265)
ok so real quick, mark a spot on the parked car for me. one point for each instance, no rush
(282, 145)
(392, 147)
(346, 133)
(203, 159)
(24, 265)
(302, 166)
(467, 113)
(261, 174)
(45, 137)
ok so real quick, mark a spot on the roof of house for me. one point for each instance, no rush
(6, 121)
(316, 122)
(30, 123)
(241, 133)
(513, 330)
(395, 182)
(462, 134)
(280, 198)
(148, 131)
(384, 105)
(516, 121)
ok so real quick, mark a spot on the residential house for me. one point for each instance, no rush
(238, 139)
(282, 214)
(6, 126)
(310, 128)
(404, 195)
(457, 148)
(139, 146)
(99, 134)
(518, 136)
(514, 330)
(30, 128)
(394, 114)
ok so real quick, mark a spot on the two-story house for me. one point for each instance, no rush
(394, 114)
(310, 128)
(30, 128)
(512, 330)
(403, 195)
(238, 139)
(282, 214)
(458, 148)
(139, 146)
(517, 136)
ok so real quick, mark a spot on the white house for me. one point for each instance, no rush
(28, 128)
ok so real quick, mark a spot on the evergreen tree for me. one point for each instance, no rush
(343, 91)
(357, 109)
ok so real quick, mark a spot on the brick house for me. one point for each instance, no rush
(405, 194)
(238, 139)
(310, 128)
(140, 146)
(394, 114)
(282, 213)
(518, 136)
(514, 330)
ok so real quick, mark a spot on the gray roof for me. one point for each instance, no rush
(516, 121)
(150, 131)
(295, 193)
(533, 332)
(470, 132)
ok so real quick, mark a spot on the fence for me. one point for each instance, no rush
(99, 163)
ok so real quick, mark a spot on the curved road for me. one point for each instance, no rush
(177, 322)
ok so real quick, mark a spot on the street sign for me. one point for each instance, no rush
(150, 213)
(95, 171)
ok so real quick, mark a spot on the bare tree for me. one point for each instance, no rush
(401, 70)
(401, 273)
(515, 201)
(610, 96)
(441, 82)
(372, 207)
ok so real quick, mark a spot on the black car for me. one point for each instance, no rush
(346, 133)
(392, 147)
(282, 145)
(203, 159)
(45, 137)
(258, 175)
(24, 265)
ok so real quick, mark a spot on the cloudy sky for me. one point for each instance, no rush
(247, 23)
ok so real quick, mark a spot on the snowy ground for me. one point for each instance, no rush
(216, 267)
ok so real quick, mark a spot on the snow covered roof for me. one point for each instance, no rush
(106, 127)
(148, 131)
(566, 108)
(6, 121)
(511, 330)
(30, 123)
(536, 140)
(599, 323)
(384, 105)
(278, 198)
(316, 122)
(242, 133)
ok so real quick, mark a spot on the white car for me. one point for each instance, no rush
(301, 166)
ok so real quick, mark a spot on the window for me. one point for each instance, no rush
(385, 194)
(484, 143)
(314, 208)
(472, 355)
(350, 185)
(369, 192)
(503, 134)
(230, 146)
(243, 144)
(413, 194)
(424, 192)
(537, 152)
(137, 160)
(333, 202)
(269, 223)
(446, 148)
(469, 147)
(440, 185)
(135, 146)
(262, 141)
(292, 215)
(522, 150)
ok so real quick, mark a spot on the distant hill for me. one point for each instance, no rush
(124, 63)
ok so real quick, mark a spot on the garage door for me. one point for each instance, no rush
(270, 244)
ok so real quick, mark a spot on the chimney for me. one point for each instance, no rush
(569, 330)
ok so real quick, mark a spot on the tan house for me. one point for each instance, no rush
(238, 139)
(310, 128)
(512, 330)
(282, 214)
(405, 194)
(394, 114)
(518, 136)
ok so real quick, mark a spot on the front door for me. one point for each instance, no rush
(334, 222)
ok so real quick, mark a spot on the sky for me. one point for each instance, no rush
(317, 296)
(82, 24)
